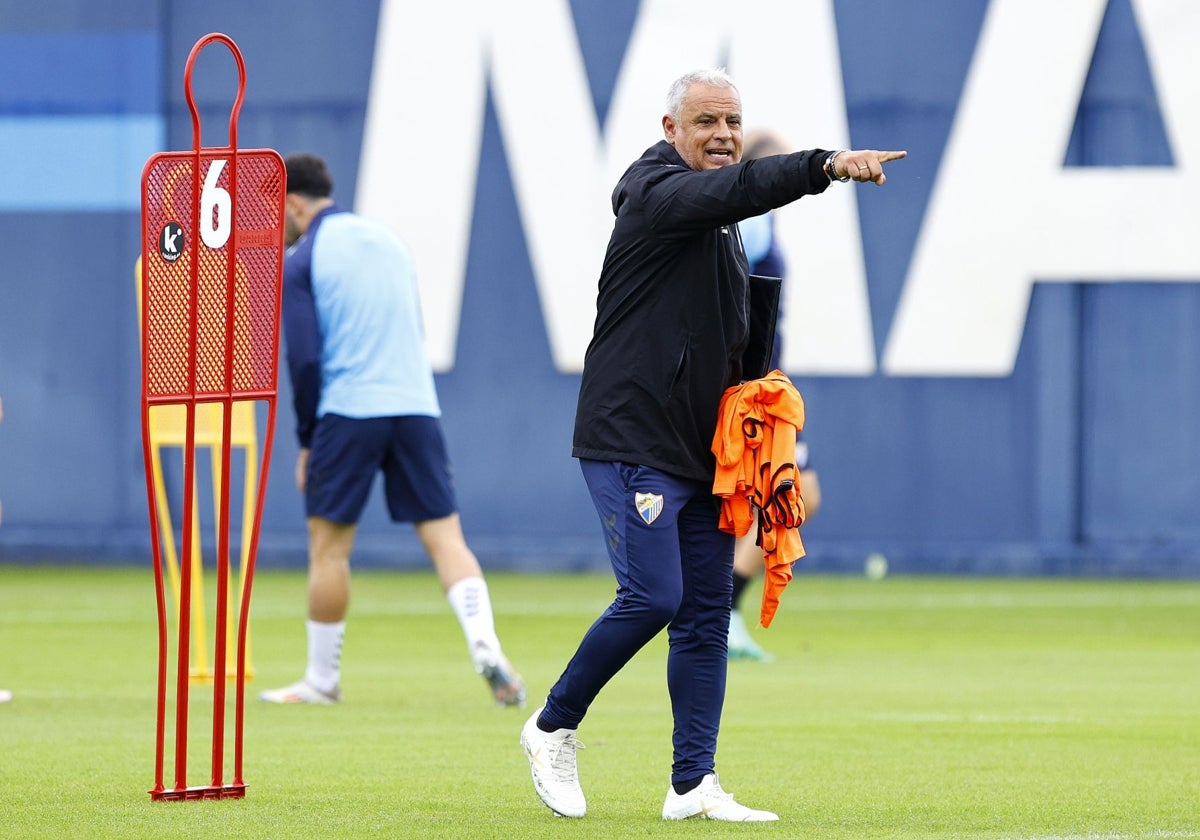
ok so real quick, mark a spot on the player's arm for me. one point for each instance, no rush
(303, 337)
(810, 492)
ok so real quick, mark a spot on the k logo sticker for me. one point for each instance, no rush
(649, 506)
(170, 242)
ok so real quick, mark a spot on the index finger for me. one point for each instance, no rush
(884, 157)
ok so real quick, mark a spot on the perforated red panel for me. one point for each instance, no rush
(250, 222)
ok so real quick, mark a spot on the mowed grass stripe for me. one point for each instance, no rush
(903, 708)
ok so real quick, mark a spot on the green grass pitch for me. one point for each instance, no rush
(902, 708)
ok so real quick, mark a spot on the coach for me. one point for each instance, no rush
(671, 325)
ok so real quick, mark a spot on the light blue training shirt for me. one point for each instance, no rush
(352, 317)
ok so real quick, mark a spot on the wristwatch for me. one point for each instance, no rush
(831, 171)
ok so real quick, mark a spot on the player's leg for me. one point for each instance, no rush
(747, 564)
(330, 544)
(329, 547)
(446, 545)
(419, 486)
(810, 491)
(345, 456)
(696, 669)
(467, 592)
(696, 662)
(5, 694)
(638, 507)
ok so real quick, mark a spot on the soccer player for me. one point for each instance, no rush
(365, 403)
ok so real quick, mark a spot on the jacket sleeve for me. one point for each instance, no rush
(681, 200)
(303, 336)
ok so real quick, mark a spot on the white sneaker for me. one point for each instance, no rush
(301, 692)
(5, 695)
(552, 764)
(709, 802)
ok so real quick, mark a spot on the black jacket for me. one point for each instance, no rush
(671, 320)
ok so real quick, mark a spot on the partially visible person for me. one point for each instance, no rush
(365, 404)
(671, 326)
(766, 260)
(5, 694)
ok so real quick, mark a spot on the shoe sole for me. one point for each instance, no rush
(297, 701)
(294, 699)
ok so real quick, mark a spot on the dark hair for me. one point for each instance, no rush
(308, 175)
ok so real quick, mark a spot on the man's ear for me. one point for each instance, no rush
(297, 207)
(669, 128)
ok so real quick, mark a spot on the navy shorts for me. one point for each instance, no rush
(347, 452)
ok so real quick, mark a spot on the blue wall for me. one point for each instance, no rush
(1084, 460)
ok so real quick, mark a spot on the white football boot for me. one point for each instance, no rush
(709, 802)
(552, 764)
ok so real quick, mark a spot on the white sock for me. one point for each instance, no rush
(324, 670)
(470, 601)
